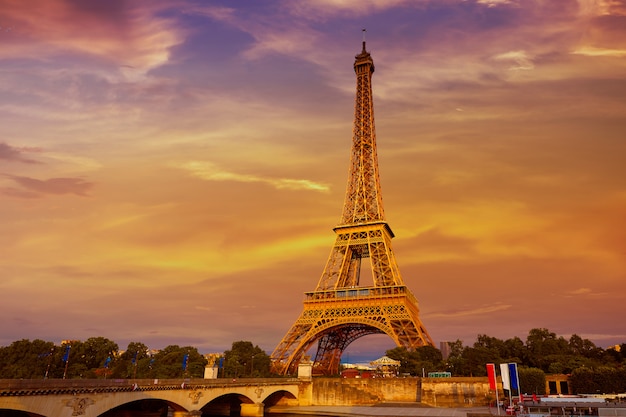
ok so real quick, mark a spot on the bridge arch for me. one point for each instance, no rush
(129, 400)
(6, 412)
(249, 395)
(154, 405)
(279, 397)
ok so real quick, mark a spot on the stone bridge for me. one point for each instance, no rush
(125, 397)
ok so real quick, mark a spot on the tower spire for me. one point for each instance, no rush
(364, 32)
(363, 201)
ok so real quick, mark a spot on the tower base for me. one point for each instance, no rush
(336, 318)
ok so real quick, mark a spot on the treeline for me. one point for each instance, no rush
(99, 357)
(591, 368)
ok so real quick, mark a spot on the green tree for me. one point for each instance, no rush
(515, 351)
(602, 380)
(177, 362)
(128, 362)
(492, 344)
(584, 347)
(615, 356)
(246, 360)
(423, 359)
(542, 343)
(455, 362)
(532, 380)
(475, 360)
(403, 355)
(87, 359)
(26, 359)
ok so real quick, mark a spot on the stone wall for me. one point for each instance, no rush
(363, 391)
(457, 392)
(436, 392)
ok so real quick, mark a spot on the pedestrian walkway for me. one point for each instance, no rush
(386, 410)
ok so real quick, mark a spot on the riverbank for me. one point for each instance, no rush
(384, 410)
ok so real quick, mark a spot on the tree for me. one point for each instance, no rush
(423, 359)
(475, 360)
(455, 362)
(542, 343)
(177, 362)
(87, 357)
(246, 360)
(403, 355)
(128, 363)
(532, 380)
(515, 351)
(26, 359)
(598, 380)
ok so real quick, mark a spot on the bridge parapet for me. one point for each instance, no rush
(88, 397)
(18, 387)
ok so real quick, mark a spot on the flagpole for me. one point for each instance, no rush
(497, 399)
(49, 363)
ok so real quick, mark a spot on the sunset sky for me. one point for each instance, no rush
(171, 171)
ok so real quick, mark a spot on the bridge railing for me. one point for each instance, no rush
(17, 387)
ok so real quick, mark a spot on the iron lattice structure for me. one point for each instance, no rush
(340, 311)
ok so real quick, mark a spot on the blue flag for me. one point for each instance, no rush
(185, 359)
(513, 376)
(221, 365)
(134, 360)
(67, 353)
(107, 361)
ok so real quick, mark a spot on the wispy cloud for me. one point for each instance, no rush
(471, 312)
(493, 3)
(75, 186)
(520, 59)
(211, 172)
(580, 291)
(10, 153)
(602, 52)
(585, 293)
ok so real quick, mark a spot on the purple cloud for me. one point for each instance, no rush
(10, 153)
(75, 186)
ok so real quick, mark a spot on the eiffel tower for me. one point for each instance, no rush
(340, 310)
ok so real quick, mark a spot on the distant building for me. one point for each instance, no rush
(444, 347)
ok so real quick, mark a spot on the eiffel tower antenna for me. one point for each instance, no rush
(341, 310)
